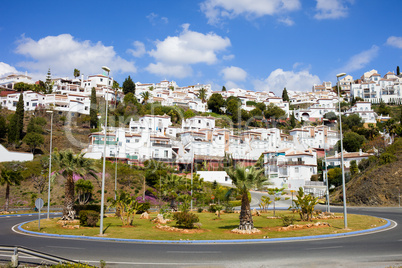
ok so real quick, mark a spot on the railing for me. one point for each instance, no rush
(161, 145)
(314, 183)
(18, 249)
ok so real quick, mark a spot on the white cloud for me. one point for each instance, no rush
(233, 73)
(63, 53)
(395, 41)
(215, 10)
(228, 57)
(6, 69)
(279, 79)
(360, 60)
(230, 85)
(330, 9)
(154, 18)
(139, 49)
(187, 48)
(287, 21)
(179, 71)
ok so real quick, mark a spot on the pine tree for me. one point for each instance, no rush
(128, 86)
(19, 113)
(223, 88)
(48, 82)
(397, 70)
(93, 111)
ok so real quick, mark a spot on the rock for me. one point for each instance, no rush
(145, 216)
(255, 213)
(160, 219)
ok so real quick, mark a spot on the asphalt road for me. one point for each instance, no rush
(380, 249)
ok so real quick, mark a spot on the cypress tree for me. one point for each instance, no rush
(93, 111)
(285, 96)
(19, 113)
(3, 127)
(397, 70)
(223, 88)
(12, 129)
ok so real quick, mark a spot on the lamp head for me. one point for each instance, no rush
(340, 75)
(49, 112)
(106, 69)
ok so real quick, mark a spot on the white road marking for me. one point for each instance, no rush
(324, 248)
(63, 247)
(195, 252)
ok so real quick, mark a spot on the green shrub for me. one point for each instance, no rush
(212, 208)
(287, 220)
(185, 219)
(386, 158)
(199, 210)
(229, 208)
(88, 218)
(235, 203)
(94, 207)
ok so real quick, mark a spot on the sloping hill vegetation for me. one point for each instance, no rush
(378, 183)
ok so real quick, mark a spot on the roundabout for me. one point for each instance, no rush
(373, 248)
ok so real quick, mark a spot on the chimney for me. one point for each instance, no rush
(360, 152)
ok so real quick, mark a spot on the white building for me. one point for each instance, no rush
(10, 80)
(363, 109)
(335, 160)
(290, 169)
(372, 88)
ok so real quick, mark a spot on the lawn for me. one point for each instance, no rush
(212, 227)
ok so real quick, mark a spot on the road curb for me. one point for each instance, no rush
(265, 240)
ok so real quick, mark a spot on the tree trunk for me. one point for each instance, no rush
(7, 197)
(68, 210)
(246, 219)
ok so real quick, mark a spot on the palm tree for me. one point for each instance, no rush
(10, 175)
(145, 96)
(70, 165)
(202, 94)
(245, 179)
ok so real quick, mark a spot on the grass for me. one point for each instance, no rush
(212, 228)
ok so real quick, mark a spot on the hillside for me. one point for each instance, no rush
(378, 185)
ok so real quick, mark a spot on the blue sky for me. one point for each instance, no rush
(251, 44)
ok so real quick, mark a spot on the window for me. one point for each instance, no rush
(166, 154)
(296, 170)
(199, 121)
(137, 140)
(127, 141)
(101, 79)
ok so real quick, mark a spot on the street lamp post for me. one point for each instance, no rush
(115, 172)
(345, 217)
(50, 162)
(104, 155)
(192, 167)
(326, 166)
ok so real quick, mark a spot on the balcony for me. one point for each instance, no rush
(107, 142)
(165, 145)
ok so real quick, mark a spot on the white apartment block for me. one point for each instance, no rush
(9, 81)
(335, 161)
(170, 94)
(372, 88)
(317, 110)
(315, 137)
(363, 109)
(33, 100)
(289, 168)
